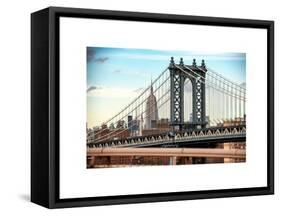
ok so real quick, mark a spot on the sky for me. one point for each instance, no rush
(115, 76)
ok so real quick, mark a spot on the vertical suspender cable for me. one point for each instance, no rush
(231, 104)
(235, 104)
(240, 104)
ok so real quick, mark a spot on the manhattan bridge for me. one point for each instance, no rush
(186, 106)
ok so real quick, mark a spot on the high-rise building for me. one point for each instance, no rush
(133, 125)
(130, 119)
(151, 111)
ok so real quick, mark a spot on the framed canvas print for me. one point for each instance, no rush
(131, 107)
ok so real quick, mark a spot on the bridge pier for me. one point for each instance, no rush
(91, 161)
(173, 160)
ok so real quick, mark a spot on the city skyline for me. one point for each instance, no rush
(115, 76)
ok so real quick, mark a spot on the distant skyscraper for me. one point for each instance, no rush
(133, 125)
(130, 122)
(151, 111)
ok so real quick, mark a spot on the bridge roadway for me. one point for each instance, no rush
(185, 141)
(168, 152)
(180, 139)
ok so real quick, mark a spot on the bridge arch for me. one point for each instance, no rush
(178, 75)
(187, 100)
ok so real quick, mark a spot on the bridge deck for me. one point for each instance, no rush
(183, 138)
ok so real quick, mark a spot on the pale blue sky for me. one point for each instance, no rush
(117, 74)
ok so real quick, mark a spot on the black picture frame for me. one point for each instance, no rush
(45, 106)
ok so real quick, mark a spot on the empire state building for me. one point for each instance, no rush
(151, 111)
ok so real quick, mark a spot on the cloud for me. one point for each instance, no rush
(117, 71)
(91, 53)
(101, 59)
(187, 57)
(138, 90)
(145, 74)
(91, 56)
(112, 92)
(91, 88)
